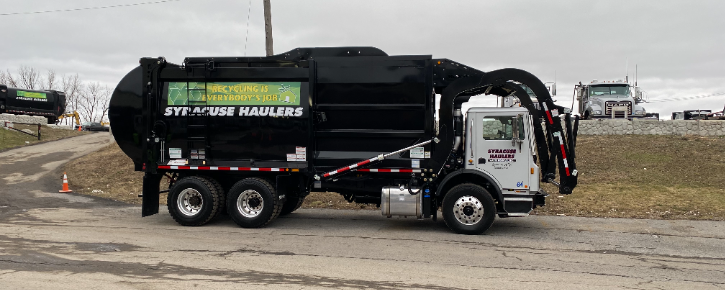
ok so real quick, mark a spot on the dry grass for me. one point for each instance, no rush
(11, 139)
(660, 177)
(683, 179)
(106, 173)
(332, 200)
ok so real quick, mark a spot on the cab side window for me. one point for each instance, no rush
(501, 127)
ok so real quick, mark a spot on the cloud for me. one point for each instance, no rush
(675, 44)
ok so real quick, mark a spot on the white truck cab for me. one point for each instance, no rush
(499, 145)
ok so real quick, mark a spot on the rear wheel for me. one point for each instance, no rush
(468, 209)
(221, 195)
(253, 202)
(193, 200)
(292, 204)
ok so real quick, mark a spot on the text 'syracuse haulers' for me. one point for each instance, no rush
(256, 135)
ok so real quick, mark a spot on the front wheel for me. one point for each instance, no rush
(253, 202)
(468, 209)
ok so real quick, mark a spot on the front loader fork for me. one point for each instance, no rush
(565, 142)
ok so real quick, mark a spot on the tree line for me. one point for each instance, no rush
(89, 99)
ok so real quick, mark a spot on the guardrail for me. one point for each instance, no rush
(10, 125)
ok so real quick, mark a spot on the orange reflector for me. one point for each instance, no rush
(439, 62)
(295, 170)
(532, 170)
(526, 186)
(470, 160)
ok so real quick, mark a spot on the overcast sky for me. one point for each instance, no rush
(678, 46)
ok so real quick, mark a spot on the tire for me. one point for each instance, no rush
(221, 195)
(291, 204)
(468, 209)
(193, 201)
(253, 203)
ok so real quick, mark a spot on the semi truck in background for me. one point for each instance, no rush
(48, 103)
(610, 99)
(698, 115)
(256, 135)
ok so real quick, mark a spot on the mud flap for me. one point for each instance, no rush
(150, 201)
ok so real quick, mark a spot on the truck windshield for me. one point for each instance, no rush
(501, 127)
(609, 90)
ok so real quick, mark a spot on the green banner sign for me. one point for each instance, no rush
(33, 95)
(234, 93)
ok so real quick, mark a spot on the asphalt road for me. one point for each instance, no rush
(66, 241)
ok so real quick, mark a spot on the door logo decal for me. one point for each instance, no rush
(501, 155)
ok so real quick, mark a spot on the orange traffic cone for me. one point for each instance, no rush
(79, 128)
(65, 184)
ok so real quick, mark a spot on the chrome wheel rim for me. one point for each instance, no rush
(468, 210)
(190, 202)
(250, 203)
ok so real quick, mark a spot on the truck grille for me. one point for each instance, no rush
(611, 104)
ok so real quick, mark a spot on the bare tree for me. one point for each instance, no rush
(29, 77)
(93, 102)
(73, 87)
(104, 100)
(10, 81)
(49, 82)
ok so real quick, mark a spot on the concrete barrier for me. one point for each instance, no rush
(652, 127)
(23, 119)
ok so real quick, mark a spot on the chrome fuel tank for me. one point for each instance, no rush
(399, 202)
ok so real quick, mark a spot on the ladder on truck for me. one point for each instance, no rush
(197, 123)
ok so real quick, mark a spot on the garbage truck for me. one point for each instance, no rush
(47, 103)
(253, 136)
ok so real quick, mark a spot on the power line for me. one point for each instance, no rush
(685, 98)
(87, 8)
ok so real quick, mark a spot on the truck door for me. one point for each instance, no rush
(495, 150)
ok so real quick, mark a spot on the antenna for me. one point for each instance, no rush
(626, 76)
(635, 75)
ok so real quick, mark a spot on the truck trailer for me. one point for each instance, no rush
(47, 103)
(253, 136)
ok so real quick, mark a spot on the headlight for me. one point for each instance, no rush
(597, 112)
(639, 112)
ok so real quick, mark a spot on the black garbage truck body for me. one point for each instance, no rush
(255, 135)
(47, 103)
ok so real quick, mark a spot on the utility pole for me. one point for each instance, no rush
(268, 27)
